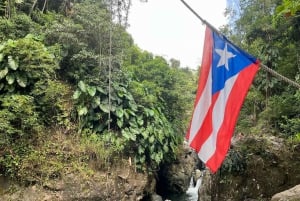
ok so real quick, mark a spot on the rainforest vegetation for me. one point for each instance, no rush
(74, 88)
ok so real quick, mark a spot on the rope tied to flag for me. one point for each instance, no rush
(264, 67)
(279, 76)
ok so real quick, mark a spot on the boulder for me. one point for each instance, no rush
(292, 194)
(256, 168)
(155, 197)
(175, 178)
(204, 192)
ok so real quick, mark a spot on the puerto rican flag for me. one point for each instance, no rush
(225, 76)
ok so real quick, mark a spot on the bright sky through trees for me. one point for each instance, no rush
(167, 28)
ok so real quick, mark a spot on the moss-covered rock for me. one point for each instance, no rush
(256, 168)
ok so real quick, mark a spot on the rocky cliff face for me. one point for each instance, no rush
(256, 168)
(117, 185)
(175, 178)
(120, 183)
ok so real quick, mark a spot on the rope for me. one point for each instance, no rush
(264, 67)
(200, 18)
(281, 77)
(110, 66)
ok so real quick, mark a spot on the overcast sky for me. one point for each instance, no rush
(167, 28)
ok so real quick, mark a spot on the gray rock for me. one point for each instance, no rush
(292, 194)
(175, 177)
(155, 197)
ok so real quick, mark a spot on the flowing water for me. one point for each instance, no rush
(190, 195)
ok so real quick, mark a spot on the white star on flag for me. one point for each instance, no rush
(225, 56)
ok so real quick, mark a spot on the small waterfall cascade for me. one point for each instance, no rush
(191, 194)
(192, 191)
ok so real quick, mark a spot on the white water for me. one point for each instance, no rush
(192, 191)
(191, 194)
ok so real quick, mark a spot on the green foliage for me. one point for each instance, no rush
(290, 126)
(254, 104)
(19, 128)
(17, 27)
(234, 162)
(155, 83)
(279, 116)
(91, 109)
(271, 105)
(295, 139)
(145, 127)
(23, 62)
(45, 56)
(151, 137)
(59, 154)
(85, 43)
(54, 102)
(288, 7)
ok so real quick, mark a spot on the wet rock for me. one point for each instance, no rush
(175, 178)
(204, 192)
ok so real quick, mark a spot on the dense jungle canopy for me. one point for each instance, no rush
(70, 68)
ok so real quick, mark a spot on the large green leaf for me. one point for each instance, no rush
(3, 73)
(129, 135)
(96, 102)
(158, 157)
(82, 111)
(160, 137)
(142, 159)
(140, 121)
(120, 123)
(12, 63)
(22, 80)
(10, 78)
(1, 57)
(112, 108)
(91, 90)
(19, 1)
(101, 90)
(119, 112)
(151, 139)
(145, 134)
(76, 94)
(141, 149)
(104, 108)
(166, 148)
(149, 112)
(82, 86)
(2, 47)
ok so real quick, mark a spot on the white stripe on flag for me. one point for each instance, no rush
(209, 146)
(201, 108)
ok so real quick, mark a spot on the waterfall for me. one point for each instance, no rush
(192, 191)
(190, 195)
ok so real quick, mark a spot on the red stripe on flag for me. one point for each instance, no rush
(205, 69)
(206, 128)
